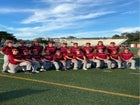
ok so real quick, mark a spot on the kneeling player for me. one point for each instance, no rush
(90, 59)
(16, 61)
(104, 58)
(59, 61)
(115, 59)
(47, 61)
(128, 58)
(70, 61)
(80, 57)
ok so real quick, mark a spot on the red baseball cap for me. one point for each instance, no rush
(126, 48)
(50, 42)
(100, 41)
(88, 43)
(9, 41)
(75, 43)
(112, 42)
(64, 43)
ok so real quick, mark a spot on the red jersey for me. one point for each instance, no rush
(97, 47)
(101, 55)
(126, 56)
(81, 56)
(69, 55)
(111, 49)
(39, 48)
(22, 48)
(74, 49)
(52, 49)
(37, 57)
(115, 56)
(27, 57)
(58, 57)
(89, 56)
(7, 50)
(48, 57)
(64, 50)
(87, 48)
(12, 57)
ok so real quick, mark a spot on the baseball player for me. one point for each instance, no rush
(59, 61)
(115, 59)
(127, 58)
(37, 46)
(112, 47)
(81, 59)
(37, 60)
(88, 47)
(100, 45)
(91, 61)
(75, 48)
(51, 48)
(70, 61)
(16, 61)
(7, 50)
(64, 48)
(103, 57)
(47, 61)
(22, 47)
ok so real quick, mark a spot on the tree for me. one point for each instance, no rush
(7, 36)
(71, 37)
(115, 36)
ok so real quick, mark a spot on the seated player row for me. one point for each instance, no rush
(68, 60)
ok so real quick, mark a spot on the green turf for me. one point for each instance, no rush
(21, 92)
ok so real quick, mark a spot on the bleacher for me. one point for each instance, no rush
(93, 42)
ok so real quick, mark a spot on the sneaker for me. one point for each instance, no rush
(57, 70)
(84, 68)
(42, 70)
(12, 72)
(75, 69)
(35, 71)
(133, 68)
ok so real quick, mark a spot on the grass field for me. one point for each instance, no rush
(92, 87)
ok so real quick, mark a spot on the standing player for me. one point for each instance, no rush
(115, 59)
(37, 46)
(113, 47)
(128, 58)
(51, 48)
(88, 47)
(7, 50)
(70, 61)
(103, 57)
(16, 61)
(59, 61)
(75, 48)
(64, 48)
(22, 47)
(80, 57)
(100, 45)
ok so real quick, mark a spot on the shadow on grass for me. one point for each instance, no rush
(5, 96)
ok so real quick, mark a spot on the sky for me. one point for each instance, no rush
(30, 19)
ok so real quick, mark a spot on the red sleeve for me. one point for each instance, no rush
(3, 49)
